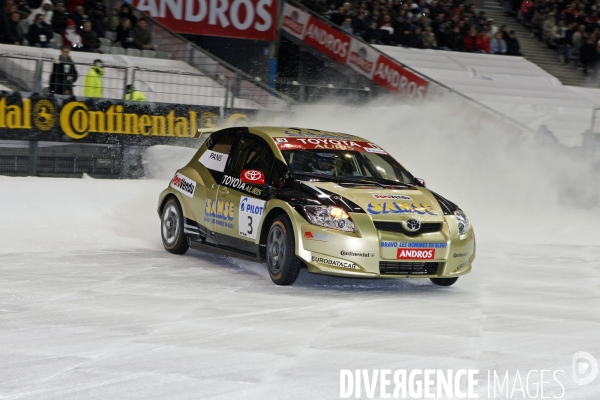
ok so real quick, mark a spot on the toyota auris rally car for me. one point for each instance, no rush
(335, 203)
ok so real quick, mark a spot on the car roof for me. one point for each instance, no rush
(279, 131)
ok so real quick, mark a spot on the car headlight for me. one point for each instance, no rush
(462, 220)
(329, 217)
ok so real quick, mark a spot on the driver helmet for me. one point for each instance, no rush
(325, 163)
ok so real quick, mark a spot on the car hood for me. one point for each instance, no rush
(387, 204)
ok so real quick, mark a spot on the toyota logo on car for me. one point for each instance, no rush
(253, 176)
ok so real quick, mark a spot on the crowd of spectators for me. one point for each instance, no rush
(79, 23)
(424, 24)
(572, 27)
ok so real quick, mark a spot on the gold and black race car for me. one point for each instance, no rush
(335, 203)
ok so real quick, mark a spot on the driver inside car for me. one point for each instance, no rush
(325, 164)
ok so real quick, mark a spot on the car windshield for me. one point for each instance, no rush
(346, 166)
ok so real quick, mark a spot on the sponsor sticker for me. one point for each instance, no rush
(183, 184)
(316, 236)
(415, 245)
(213, 160)
(356, 254)
(392, 196)
(400, 208)
(457, 255)
(327, 144)
(334, 263)
(219, 212)
(281, 140)
(238, 184)
(413, 254)
(253, 176)
(251, 211)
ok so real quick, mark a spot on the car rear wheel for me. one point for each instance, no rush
(171, 228)
(283, 264)
(444, 281)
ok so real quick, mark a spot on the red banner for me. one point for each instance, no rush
(244, 19)
(399, 80)
(326, 39)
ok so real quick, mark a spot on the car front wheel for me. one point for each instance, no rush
(171, 228)
(283, 264)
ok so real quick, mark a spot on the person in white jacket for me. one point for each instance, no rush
(46, 9)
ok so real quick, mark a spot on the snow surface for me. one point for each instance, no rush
(92, 306)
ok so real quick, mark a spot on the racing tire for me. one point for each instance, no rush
(444, 281)
(282, 262)
(171, 228)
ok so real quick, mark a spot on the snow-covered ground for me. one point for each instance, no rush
(92, 307)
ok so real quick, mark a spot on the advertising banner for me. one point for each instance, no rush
(53, 118)
(398, 79)
(244, 19)
(327, 40)
(294, 21)
(353, 52)
(362, 58)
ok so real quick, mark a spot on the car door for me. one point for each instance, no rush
(243, 189)
(215, 159)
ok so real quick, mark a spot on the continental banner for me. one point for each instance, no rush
(31, 116)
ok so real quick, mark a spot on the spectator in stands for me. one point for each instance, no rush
(587, 54)
(124, 34)
(40, 33)
(79, 16)
(132, 94)
(548, 27)
(89, 38)
(347, 26)
(46, 9)
(372, 34)
(360, 25)
(73, 4)
(441, 37)
(98, 19)
(470, 42)
(126, 13)
(114, 20)
(429, 40)
(415, 38)
(557, 37)
(92, 84)
(64, 73)
(454, 39)
(513, 48)
(23, 8)
(484, 42)
(141, 35)
(537, 21)
(60, 18)
(386, 32)
(72, 38)
(498, 45)
(14, 31)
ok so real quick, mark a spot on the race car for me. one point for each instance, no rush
(335, 203)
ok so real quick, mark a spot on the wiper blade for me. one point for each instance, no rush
(371, 180)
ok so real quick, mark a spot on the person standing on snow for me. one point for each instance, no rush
(92, 84)
(64, 73)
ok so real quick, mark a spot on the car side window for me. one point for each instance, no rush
(252, 153)
(224, 143)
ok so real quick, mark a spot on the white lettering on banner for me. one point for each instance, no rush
(189, 10)
(326, 39)
(251, 211)
(175, 6)
(261, 11)
(213, 160)
(218, 11)
(235, 15)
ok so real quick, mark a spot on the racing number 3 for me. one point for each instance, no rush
(250, 212)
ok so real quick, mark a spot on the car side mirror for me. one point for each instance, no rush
(253, 177)
(421, 181)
